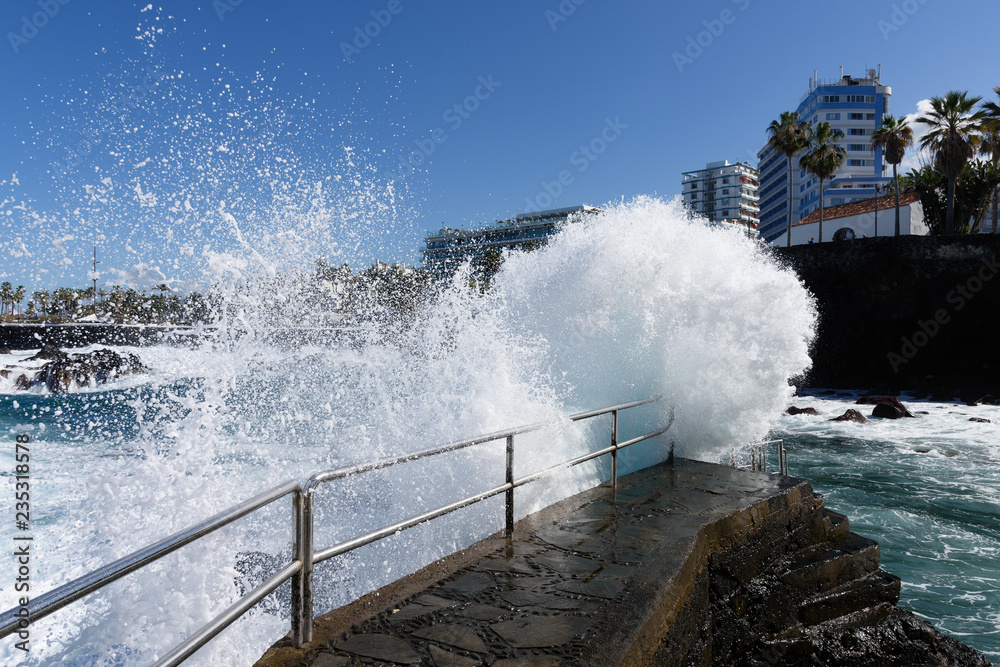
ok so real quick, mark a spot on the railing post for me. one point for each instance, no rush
(509, 523)
(614, 454)
(303, 616)
(298, 589)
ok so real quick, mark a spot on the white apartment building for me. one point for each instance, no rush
(854, 106)
(723, 192)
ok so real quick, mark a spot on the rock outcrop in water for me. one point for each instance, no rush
(851, 416)
(886, 407)
(793, 410)
(68, 371)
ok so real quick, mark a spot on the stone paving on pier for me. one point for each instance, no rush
(586, 581)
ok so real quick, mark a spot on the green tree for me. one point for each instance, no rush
(6, 296)
(894, 136)
(823, 158)
(954, 123)
(976, 185)
(975, 189)
(487, 266)
(788, 135)
(19, 296)
(40, 303)
(990, 145)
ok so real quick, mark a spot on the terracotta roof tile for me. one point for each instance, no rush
(858, 207)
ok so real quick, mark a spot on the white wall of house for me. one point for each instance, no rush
(911, 222)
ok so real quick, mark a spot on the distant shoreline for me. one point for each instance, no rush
(31, 336)
(22, 336)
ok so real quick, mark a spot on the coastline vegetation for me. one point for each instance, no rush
(328, 295)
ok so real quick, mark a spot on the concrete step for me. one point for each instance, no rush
(838, 524)
(881, 635)
(868, 591)
(823, 567)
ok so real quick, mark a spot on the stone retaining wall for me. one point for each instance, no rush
(904, 313)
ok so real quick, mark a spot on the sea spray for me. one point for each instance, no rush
(637, 301)
(204, 181)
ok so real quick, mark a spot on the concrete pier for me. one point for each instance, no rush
(687, 563)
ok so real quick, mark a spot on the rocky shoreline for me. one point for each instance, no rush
(60, 372)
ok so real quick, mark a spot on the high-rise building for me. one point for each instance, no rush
(723, 192)
(449, 248)
(854, 106)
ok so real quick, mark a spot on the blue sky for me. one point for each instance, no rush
(151, 117)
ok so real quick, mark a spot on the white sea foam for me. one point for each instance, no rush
(637, 301)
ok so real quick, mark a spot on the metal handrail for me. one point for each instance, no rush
(300, 569)
(68, 593)
(758, 457)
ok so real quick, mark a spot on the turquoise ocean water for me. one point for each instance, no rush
(927, 489)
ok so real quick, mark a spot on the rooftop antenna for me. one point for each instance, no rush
(879, 73)
(841, 71)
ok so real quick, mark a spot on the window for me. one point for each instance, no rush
(869, 116)
(725, 180)
(861, 148)
(855, 116)
(833, 116)
(858, 132)
(860, 163)
(861, 99)
(725, 191)
(831, 99)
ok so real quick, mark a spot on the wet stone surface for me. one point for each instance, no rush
(547, 599)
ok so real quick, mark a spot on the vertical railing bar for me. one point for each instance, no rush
(509, 523)
(298, 580)
(614, 454)
(307, 522)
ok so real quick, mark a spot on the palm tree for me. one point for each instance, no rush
(788, 135)
(6, 296)
(953, 122)
(894, 136)
(991, 144)
(41, 301)
(824, 157)
(19, 296)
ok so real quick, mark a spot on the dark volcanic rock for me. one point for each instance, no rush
(980, 419)
(851, 416)
(886, 411)
(99, 366)
(989, 399)
(22, 382)
(48, 351)
(792, 410)
(4, 350)
(80, 370)
(890, 401)
(881, 635)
